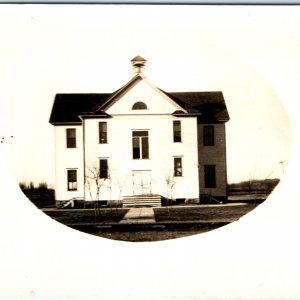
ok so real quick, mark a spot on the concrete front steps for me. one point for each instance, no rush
(142, 201)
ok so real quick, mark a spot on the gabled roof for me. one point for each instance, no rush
(124, 89)
(118, 93)
(68, 107)
(209, 107)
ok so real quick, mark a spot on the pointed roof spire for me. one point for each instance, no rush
(138, 65)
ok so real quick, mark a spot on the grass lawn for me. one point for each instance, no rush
(202, 213)
(149, 235)
(69, 216)
(78, 218)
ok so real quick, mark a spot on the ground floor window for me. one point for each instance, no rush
(72, 180)
(210, 176)
(103, 170)
(177, 166)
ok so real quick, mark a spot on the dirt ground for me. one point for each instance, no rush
(151, 235)
(199, 219)
(147, 236)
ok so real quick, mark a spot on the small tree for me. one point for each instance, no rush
(170, 180)
(119, 183)
(94, 183)
(31, 185)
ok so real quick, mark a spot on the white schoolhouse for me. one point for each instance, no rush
(140, 144)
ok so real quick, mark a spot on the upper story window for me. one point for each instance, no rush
(140, 145)
(71, 137)
(208, 135)
(177, 131)
(102, 132)
(139, 105)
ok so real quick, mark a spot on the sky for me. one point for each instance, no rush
(87, 49)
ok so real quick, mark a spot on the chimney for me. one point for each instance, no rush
(138, 65)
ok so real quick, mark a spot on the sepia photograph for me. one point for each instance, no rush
(147, 145)
(143, 164)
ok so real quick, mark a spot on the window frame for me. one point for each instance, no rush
(103, 168)
(72, 181)
(208, 135)
(178, 169)
(210, 179)
(140, 144)
(71, 138)
(177, 138)
(102, 132)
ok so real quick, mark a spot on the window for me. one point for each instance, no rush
(140, 145)
(102, 132)
(177, 166)
(72, 180)
(71, 138)
(210, 176)
(208, 135)
(103, 172)
(177, 131)
(139, 105)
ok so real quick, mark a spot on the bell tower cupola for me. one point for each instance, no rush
(138, 65)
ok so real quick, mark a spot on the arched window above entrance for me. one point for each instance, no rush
(139, 105)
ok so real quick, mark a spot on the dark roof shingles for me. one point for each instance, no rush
(67, 107)
(211, 105)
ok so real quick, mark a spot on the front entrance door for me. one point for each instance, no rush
(141, 182)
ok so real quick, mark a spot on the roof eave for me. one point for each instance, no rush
(223, 120)
(65, 123)
(187, 114)
(97, 116)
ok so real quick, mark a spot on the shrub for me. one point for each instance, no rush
(23, 186)
(43, 186)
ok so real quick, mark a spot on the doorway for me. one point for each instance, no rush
(141, 182)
